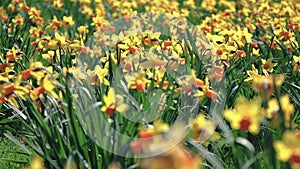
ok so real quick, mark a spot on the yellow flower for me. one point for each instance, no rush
(296, 63)
(68, 21)
(250, 73)
(83, 30)
(97, 76)
(137, 81)
(178, 157)
(206, 91)
(36, 163)
(267, 65)
(34, 15)
(287, 108)
(204, 130)
(273, 108)
(56, 43)
(246, 115)
(289, 148)
(19, 20)
(57, 4)
(36, 70)
(13, 55)
(113, 103)
(266, 84)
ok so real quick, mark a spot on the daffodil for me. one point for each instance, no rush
(288, 109)
(296, 63)
(13, 54)
(266, 84)
(36, 163)
(54, 24)
(250, 73)
(137, 81)
(203, 129)
(179, 157)
(288, 150)
(97, 76)
(68, 21)
(246, 115)
(205, 90)
(113, 103)
(267, 65)
(35, 16)
(36, 70)
(19, 20)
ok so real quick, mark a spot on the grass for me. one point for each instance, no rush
(11, 155)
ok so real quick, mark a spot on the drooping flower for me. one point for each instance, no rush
(97, 76)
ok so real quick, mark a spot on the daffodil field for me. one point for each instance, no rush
(149, 84)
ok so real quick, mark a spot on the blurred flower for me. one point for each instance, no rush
(266, 84)
(289, 148)
(54, 24)
(178, 157)
(68, 21)
(19, 20)
(203, 130)
(287, 108)
(137, 81)
(246, 115)
(114, 165)
(36, 163)
(296, 63)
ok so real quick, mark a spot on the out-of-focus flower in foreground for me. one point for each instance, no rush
(36, 163)
(289, 148)
(246, 115)
(266, 84)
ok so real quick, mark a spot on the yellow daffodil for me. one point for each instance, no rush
(296, 63)
(267, 65)
(113, 103)
(137, 81)
(289, 148)
(68, 21)
(36, 163)
(19, 20)
(97, 76)
(203, 129)
(250, 73)
(288, 109)
(178, 157)
(266, 84)
(246, 115)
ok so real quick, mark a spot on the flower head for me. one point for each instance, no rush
(267, 65)
(289, 148)
(246, 115)
(113, 103)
